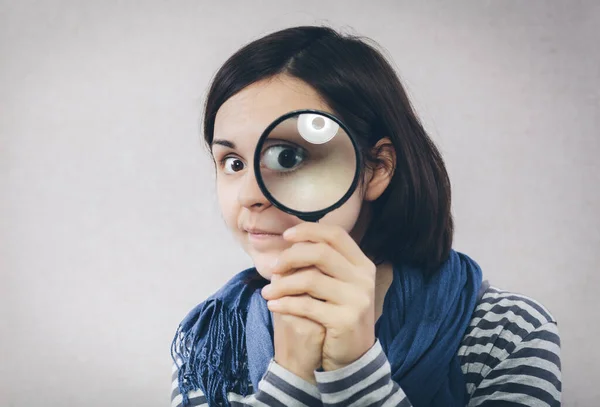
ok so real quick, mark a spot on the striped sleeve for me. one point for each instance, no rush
(365, 382)
(529, 376)
(278, 387)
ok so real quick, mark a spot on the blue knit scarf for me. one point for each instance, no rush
(226, 342)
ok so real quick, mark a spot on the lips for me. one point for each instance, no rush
(256, 231)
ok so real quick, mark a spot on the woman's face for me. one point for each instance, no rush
(252, 219)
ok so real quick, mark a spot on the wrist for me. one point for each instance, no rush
(330, 364)
(306, 374)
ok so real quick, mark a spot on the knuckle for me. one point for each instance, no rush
(305, 307)
(310, 287)
(312, 275)
(304, 245)
(304, 327)
(366, 302)
(348, 320)
(320, 250)
(371, 269)
(286, 258)
(362, 301)
(305, 280)
(369, 280)
(288, 319)
(338, 233)
(365, 281)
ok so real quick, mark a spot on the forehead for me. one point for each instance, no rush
(244, 116)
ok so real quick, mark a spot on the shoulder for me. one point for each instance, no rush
(503, 319)
(508, 329)
(513, 314)
(503, 310)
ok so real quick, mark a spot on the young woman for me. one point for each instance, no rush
(370, 306)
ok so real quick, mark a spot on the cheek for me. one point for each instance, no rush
(228, 203)
(346, 215)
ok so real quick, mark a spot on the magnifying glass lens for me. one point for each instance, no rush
(307, 162)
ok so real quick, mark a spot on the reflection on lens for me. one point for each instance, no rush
(316, 129)
(308, 162)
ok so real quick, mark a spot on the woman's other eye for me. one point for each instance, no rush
(232, 165)
(283, 158)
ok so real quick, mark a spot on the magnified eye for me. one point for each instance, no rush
(283, 158)
(232, 165)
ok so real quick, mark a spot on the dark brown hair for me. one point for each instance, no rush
(412, 223)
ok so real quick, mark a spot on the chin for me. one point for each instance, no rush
(263, 265)
(262, 262)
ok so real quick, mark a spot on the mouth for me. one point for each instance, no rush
(261, 233)
(266, 239)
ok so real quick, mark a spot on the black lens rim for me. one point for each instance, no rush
(312, 216)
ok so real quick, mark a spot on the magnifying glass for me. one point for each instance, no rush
(307, 163)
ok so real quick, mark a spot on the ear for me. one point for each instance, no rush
(379, 177)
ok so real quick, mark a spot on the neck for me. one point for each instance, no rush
(385, 272)
(383, 280)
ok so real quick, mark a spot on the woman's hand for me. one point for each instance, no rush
(340, 282)
(298, 343)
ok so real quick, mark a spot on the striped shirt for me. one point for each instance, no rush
(510, 356)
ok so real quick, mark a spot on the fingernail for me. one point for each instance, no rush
(266, 289)
(274, 263)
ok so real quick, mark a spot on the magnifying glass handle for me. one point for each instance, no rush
(310, 218)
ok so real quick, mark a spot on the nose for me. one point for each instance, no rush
(250, 195)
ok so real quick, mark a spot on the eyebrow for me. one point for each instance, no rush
(225, 143)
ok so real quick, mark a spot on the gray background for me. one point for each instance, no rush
(109, 229)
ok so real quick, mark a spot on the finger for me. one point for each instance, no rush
(319, 255)
(281, 273)
(310, 281)
(324, 313)
(332, 235)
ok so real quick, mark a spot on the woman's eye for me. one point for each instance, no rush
(232, 165)
(283, 158)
